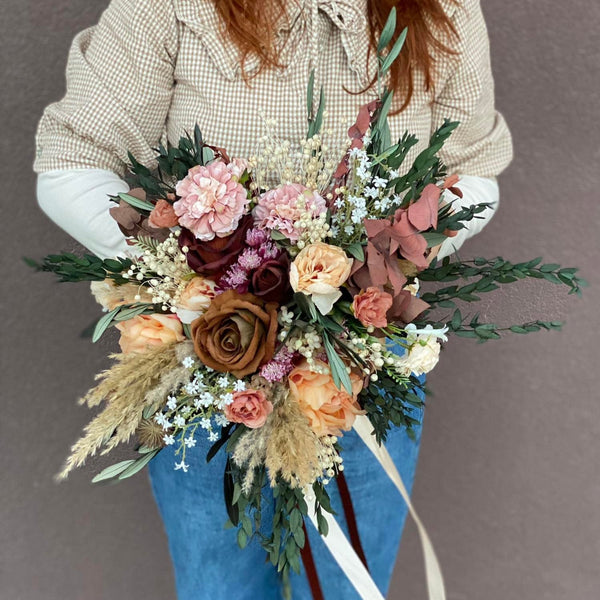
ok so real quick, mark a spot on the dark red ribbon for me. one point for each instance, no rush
(351, 518)
(311, 569)
(306, 552)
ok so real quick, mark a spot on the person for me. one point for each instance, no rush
(152, 69)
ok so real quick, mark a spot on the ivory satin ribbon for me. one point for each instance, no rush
(341, 549)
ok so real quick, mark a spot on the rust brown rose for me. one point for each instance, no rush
(237, 334)
(212, 258)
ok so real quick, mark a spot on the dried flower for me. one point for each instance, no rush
(249, 407)
(212, 258)
(371, 305)
(150, 434)
(319, 270)
(236, 334)
(328, 408)
(212, 201)
(144, 331)
(163, 215)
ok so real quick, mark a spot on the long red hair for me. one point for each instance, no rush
(250, 25)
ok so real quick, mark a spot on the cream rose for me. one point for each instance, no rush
(318, 271)
(195, 299)
(144, 331)
(421, 357)
(330, 410)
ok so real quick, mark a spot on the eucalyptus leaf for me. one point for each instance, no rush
(139, 464)
(103, 324)
(394, 52)
(434, 239)
(338, 368)
(113, 470)
(387, 32)
(136, 202)
(357, 251)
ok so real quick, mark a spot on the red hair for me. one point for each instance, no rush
(250, 25)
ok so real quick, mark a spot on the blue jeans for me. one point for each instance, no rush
(209, 565)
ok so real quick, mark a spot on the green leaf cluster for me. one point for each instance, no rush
(489, 274)
(123, 312)
(390, 401)
(173, 164)
(71, 268)
(127, 468)
(472, 327)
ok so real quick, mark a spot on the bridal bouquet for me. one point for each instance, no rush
(268, 303)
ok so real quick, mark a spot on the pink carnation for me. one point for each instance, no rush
(277, 209)
(212, 202)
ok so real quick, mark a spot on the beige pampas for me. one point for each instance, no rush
(286, 445)
(134, 383)
(293, 448)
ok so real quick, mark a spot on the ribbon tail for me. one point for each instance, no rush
(343, 553)
(433, 572)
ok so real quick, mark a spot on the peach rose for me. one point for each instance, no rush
(330, 410)
(144, 331)
(163, 215)
(371, 305)
(249, 407)
(318, 271)
(195, 299)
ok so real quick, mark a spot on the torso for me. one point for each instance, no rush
(210, 90)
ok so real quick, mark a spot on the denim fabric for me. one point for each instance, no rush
(209, 565)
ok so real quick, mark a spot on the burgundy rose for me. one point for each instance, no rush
(271, 280)
(212, 258)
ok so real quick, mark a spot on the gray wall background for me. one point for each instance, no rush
(508, 482)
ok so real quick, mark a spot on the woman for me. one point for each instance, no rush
(152, 69)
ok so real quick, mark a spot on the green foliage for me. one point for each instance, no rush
(72, 268)
(173, 164)
(489, 274)
(315, 120)
(123, 312)
(472, 327)
(389, 402)
(427, 167)
(127, 468)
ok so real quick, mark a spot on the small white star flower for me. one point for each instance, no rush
(206, 398)
(205, 423)
(191, 388)
(182, 466)
(172, 402)
(188, 362)
(221, 420)
(189, 441)
(169, 440)
(179, 421)
(213, 436)
(239, 386)
(223, 381)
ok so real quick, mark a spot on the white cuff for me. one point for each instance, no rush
(77, 201)
(476, 190)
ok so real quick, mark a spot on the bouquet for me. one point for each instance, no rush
(271, 303)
